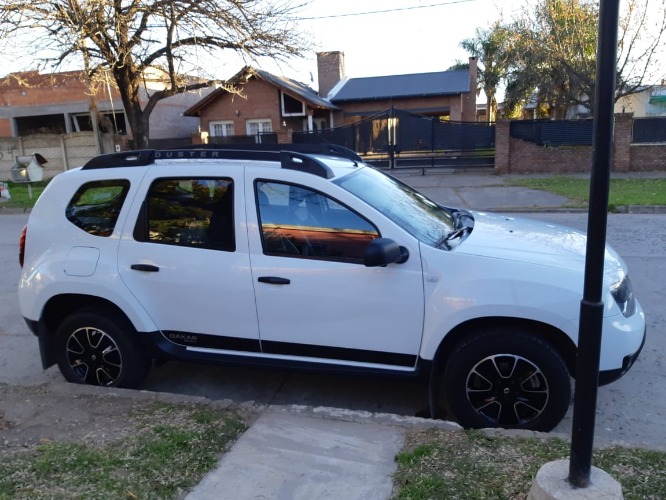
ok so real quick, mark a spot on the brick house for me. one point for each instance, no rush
(260, 105)
(269, 104)
(450, 94)
(59, 103)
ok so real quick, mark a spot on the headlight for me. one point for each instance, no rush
(623, 294)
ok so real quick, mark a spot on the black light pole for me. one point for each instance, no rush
(592, 306)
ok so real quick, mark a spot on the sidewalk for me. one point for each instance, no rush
(301, 453)
(487, 191)
(483, 191)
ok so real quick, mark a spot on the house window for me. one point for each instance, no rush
(256, 127)
(291, 106)
(221, 128)
(107, 122)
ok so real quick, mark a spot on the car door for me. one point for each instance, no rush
(186, 260)
(315, 298)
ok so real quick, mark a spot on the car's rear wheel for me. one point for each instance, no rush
(94, 348)
(507, 378)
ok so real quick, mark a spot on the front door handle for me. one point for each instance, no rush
(148, 268)
(274, 280)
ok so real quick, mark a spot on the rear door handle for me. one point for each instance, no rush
(148, 268)
(274, 280)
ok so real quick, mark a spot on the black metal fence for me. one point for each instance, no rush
(397, 138)
(551, 133)
(649, 130)
(179, 142)
(264, 138)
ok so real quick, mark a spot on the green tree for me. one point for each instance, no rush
(546, 56)
(132, 40)
(555, 56)
(493, 49)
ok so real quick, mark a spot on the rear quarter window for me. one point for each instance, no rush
(95, 206)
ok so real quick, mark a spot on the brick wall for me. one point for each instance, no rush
(516, 156)
(415, 105)
(648, 157)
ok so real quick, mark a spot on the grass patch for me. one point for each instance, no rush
(20, 194)
(437, 464)
(631, 191)
(174, 447)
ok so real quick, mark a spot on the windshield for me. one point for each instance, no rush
(412, 211)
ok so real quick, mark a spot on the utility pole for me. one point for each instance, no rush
(592, 306)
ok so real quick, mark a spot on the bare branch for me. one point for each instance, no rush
(126, 38)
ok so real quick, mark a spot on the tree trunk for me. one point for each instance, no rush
(138, 120)
(491, 105)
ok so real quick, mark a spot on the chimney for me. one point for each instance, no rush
(468, 112)
(330, 70)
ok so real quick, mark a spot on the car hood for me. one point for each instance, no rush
(535, 242)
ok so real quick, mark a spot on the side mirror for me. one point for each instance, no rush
(383, 251)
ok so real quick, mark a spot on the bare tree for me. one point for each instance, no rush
(642, 31)
(130, 40)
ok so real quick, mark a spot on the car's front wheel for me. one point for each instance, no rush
(507, 378)
(94, 348)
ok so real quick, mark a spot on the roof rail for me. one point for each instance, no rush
(302, 147)
(125, 159)
(305, 163)
(293, 160)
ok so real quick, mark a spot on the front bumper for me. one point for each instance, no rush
(608, 376)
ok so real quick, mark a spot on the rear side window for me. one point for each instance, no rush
(191, 212)
(96, 205)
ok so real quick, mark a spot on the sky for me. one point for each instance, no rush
(378, 37)
(389, 37)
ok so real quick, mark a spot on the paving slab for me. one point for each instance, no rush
(289, 456)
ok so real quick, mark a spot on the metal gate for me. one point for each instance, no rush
(399, 139)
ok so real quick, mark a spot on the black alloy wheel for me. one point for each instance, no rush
(94, 356)
(94, 347)
(506, 378)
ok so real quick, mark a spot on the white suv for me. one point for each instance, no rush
(311, 260)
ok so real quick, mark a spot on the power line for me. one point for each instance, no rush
(398, 9)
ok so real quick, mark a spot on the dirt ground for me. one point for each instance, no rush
(35, 414)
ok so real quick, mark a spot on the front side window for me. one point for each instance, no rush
(190, 212)
(299, 222)
(96, 205)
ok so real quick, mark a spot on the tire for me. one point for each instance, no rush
(92, 348)
(507, 378)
